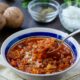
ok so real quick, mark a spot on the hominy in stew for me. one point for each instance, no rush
(33, 55)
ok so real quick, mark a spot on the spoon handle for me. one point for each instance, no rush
(72, 34)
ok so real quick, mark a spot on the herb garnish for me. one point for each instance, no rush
(69, 2)
(25, 2)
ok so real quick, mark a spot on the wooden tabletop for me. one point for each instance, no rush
(29, 22)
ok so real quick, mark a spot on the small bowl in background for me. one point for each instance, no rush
(69, 14)
(43, 11)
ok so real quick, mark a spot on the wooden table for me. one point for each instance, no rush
(29, 22)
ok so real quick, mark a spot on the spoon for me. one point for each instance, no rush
(63, 40)
(72, 34)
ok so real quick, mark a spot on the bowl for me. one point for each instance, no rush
(43, 11)
(33, 32)
(69, 15)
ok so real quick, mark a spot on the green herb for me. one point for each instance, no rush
(69, 2)
(25, 2)
(44, 0)
(77, 2)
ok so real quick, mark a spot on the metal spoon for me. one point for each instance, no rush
(63, 40)
(72, 34)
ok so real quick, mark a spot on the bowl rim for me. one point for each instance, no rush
(33, 12)
(36, 29)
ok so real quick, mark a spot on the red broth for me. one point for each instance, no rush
(33, 55)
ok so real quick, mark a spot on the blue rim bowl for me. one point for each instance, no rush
(14, 38)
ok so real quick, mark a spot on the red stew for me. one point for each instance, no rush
(40, 56)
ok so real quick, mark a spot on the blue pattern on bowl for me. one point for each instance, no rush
(46, 34)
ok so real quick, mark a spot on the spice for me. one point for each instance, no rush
(44, 12)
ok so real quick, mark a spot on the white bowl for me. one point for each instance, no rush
(73, 44)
